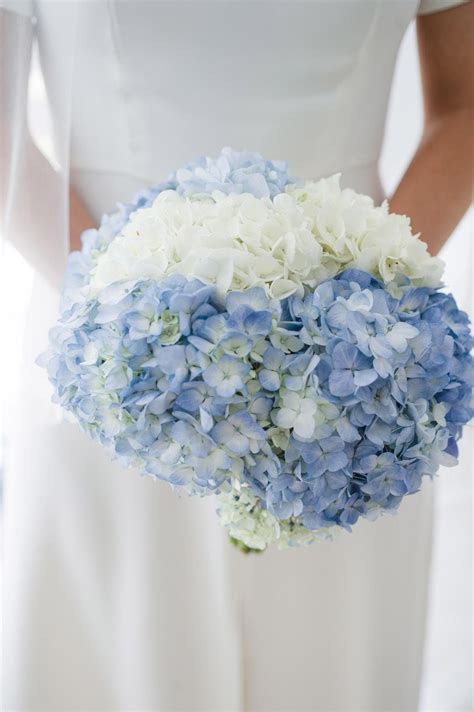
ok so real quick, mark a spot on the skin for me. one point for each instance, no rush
(436, 189)
(79, 219)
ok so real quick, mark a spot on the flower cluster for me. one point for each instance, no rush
(253, 528)
(282, 345)
(233, 172)
(376, 399)
(316, 410)
(163, 374)
(286, 245)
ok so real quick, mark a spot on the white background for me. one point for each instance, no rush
(447, 680)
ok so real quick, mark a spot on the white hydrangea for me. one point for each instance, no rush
(241, 514)
(353, 232)
(236, 242)
(292, 534)
(296, 412)
(293, 242)
(304, 413)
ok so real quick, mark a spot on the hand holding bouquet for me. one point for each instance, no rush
(280, 344)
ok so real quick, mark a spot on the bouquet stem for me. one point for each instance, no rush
(243, 547)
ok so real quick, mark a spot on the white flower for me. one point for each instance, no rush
(390, 249)
(286, 245)
(398, 335)
(355, 233)
(294, 534)
(241, 513)
(296, 412)
(235, 242)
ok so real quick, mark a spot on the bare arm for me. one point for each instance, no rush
(436, 189)
(79, 219)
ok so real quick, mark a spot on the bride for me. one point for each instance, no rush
(120, 596)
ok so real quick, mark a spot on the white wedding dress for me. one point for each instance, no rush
(119, 594)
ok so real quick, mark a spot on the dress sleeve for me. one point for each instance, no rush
(425, 7)
(33, 193)
(21, 181)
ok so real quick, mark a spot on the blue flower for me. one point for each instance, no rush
(327, 455)
(227, 376)
(385, 478)
(272, 365)
(351, 370)
(191, 438)
(285, 495)
(237, 432)
(327, 489)
(232, 172)
(197, 395)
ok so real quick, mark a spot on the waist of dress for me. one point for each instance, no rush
(102, 189)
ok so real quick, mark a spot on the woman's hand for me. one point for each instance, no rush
(79, 219)
(436, 189)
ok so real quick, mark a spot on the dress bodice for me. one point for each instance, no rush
(158, 83)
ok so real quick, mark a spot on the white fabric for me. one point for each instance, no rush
(428, 6)
(119, 595)
(34, 194)
(26, 7)
(447, 681)
(21, 7)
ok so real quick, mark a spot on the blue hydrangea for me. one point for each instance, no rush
(328, 408)
(399, 372)
(233, 172)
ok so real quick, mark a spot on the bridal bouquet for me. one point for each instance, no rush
(281, 344)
